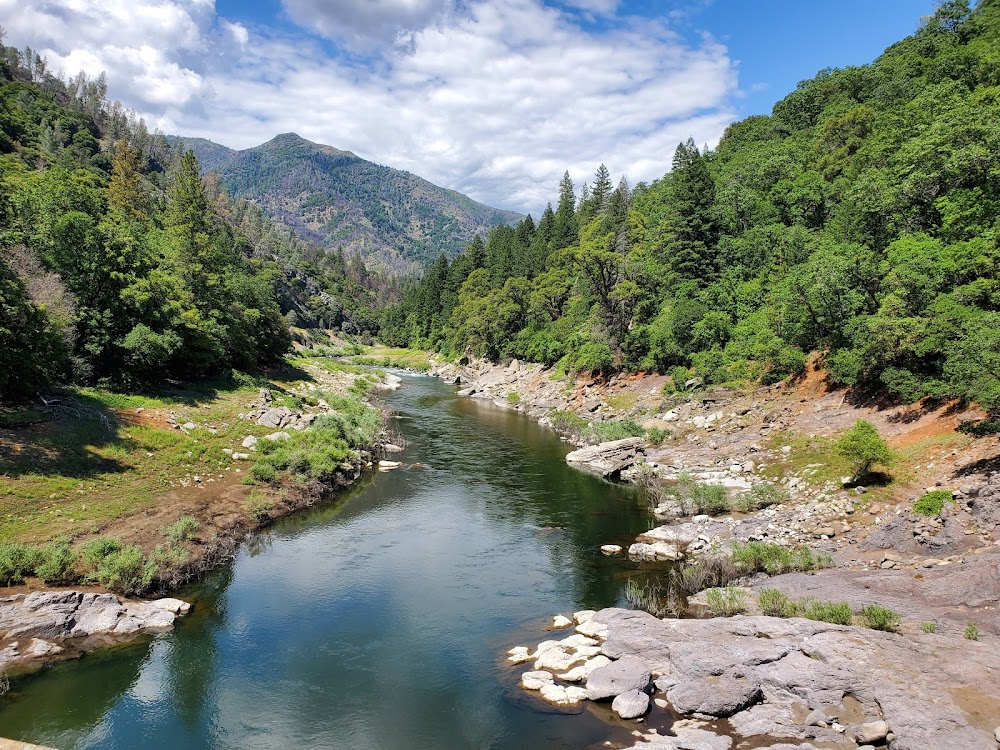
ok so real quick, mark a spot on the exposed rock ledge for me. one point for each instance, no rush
(609, 459)
(787, 683)
(46, 626)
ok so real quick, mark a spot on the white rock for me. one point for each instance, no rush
(280, 435)
(593, 629)
(630, 705)
(584, 615)
(559, 622)
(249, 442)
(388, 465)
(536, 680)
(581, 672)
(563, 696)
(519, 655)
(611, 549)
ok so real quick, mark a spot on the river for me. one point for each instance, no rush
(378, 621)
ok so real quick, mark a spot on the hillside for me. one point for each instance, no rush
(858, 221)
(341, 201)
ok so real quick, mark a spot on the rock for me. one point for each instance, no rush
(996, 734)
(277, 436)
(189, 426)
(563, 696)
(249, 442)
(657, 551)
(724, 696)
(825, 531)
(519, 655)
(241, 456)
(869, 732)
(560, 656)
(608, 459)
(582, 672)
(593, 629)
(559, 622)
(628, 673)
(391, 448)
(274, 417)
(388, 465)
(631, 704)
(611, 549)
(536, 680)
(584, 615)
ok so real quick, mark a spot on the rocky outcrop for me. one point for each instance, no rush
(608, 459)
(797, 681)
(46, 626)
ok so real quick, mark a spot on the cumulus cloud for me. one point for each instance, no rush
(360, 20)
(496, 100)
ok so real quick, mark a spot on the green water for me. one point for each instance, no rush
(379, 620)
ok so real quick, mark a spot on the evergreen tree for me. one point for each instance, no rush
(565, 231)
(693, 245)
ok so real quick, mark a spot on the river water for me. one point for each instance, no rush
(378, 621)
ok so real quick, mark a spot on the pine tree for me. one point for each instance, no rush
(601, 192)
(693, 246)
(126, 198)
(566, 231)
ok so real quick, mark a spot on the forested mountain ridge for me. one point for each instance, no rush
(859, 220)
(119, 263)
(393, 219)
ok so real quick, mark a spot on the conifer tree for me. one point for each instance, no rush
(566, 231)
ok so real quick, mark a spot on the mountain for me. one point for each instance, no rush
(339, 200)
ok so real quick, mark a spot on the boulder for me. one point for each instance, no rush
(608, 459)
(628, 673)
(610, 549)
(249, 442)
(273, 417)
(582, 671)
(724, 696)
(869, 732)
(560, 621)
(278, 436)
(536, 680)
(631, 704)
(652, 552)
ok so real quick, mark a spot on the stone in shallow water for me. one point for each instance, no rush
(536, 680)
(631, 704)
(584, 615)
(563, 696)
(611, 549)
(628, 673)
(519, 655)
(560, 621)
(581, 672)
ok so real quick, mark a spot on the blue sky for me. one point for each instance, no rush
(495, 98)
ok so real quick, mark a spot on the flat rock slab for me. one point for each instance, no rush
(608, 459)
(930, 690)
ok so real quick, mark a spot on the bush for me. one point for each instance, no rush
(259, 507)
(96, 550)
(710, 499)
(775, 603)
(126, 571)
(773, 559)
(932, 503)
(594, 356)
(513, 398)
(971, 632)
(759, 496)
(656, 436)
(864, 447)
(181, 530)
(928, 627)
(263, 472)
(726, 602)
(17, 561)
(614, 429)
(879, 618)
(57, 564)
(839, 613)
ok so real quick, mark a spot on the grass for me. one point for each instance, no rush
(181, 530)
(622, 401)
(775, 603)
(815, 453)
(761, 495)
(406, 359)
(613, 429)
(513, 398)
(773, 559)
(692, 497)
(932, 503)
(877, 617)
(928, 627)
(838, 613)
(971, 632)
(726, 602)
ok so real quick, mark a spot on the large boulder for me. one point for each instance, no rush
(731, 692)
(628, 673)
(631, 705)
(608, 459)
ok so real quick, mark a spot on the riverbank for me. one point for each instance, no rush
(139, 494)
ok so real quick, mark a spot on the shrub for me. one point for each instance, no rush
(971, 632)
(710, 499)
(879, 618)
(263, 472)
(759, 496)
(513, 398)
(126, 571)
(594, 356)
(16, 562)
(181, 530)
(259, 507)
(775, 603)
(614, 429)
(656, 436)
(649, 598)
(57, 564)
(839, 613)
(863, 447)
(703, 573)
(928, 627)
(932, 503)
(726, 602)
(96, 550)
(773, 559)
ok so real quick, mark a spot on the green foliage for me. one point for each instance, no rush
(879, 618)
(657, 435)
(928, 627)
(181, 530)
(932, 503)
(513, 398)
(57, 564)
(96, 550)
(259, 507)
(863, 447)
(17, 561)
(773, 559)
(613, 429)
(971, 632)
(775, 603)
(126, 571)
(726, 602)
(761, 495)
(839, 613)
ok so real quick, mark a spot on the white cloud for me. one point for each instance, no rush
(495, 101)
(358, 20)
